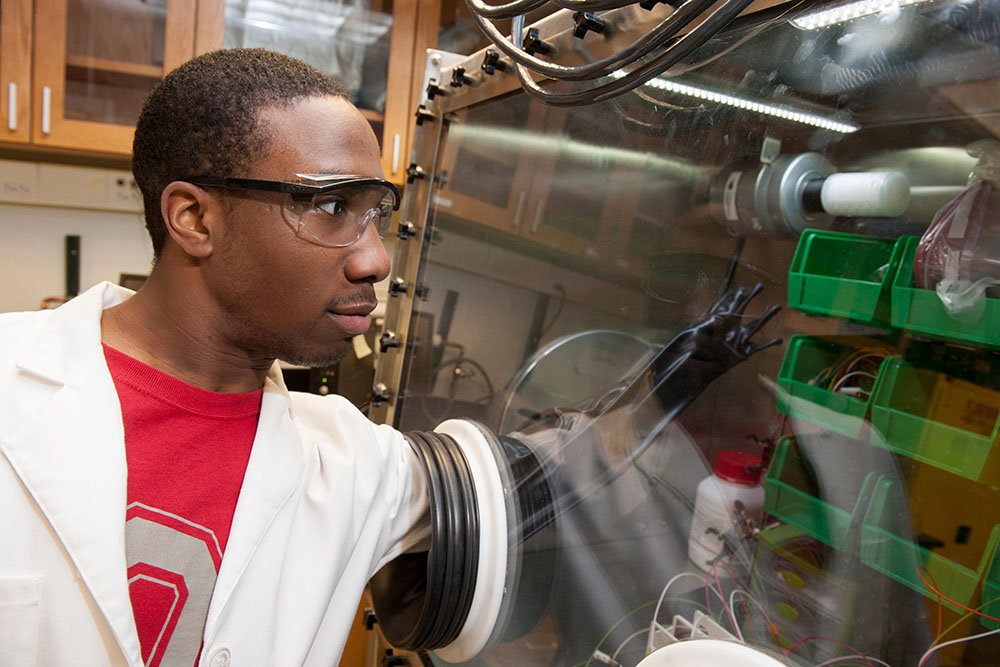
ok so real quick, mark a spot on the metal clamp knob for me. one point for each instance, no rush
(434, 89)
(388, 340)
(586, 22)
(398, 286)
(532, 44)
(492, 63)
(423, 113)
(380, 394)
(406, 230)
(459, 78)
(414, 171)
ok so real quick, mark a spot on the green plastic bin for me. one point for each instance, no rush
(910, 409)
(921, 311)
(806, 357)
(787, 499)
(898, 557)
(841, 275)
(991, 593)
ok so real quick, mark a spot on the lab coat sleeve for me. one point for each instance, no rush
(409, 515)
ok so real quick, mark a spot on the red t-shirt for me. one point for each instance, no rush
(187, 451)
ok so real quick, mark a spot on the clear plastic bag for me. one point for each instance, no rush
(959, 254)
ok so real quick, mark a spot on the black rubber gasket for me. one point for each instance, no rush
(468, 559)
(423, 600)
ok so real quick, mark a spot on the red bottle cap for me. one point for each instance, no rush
(738, 467)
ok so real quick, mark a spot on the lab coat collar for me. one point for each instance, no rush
(70, 455)
(73, 331)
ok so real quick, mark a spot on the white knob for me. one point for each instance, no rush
(876, 194)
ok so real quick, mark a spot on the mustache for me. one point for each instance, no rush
(364, 296)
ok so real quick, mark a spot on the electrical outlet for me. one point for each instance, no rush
(123, 193)
(71, 186)
(18, 181)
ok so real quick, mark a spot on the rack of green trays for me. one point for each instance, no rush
(814, 374)
(936, 418)
(788, 497)
(991, 594)
(887, 548)
(847, 276)
(921, 310)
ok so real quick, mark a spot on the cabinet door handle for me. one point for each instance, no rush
(395, 152)
(46, 110)
(539, 210)
(12, 106)
(521, 197)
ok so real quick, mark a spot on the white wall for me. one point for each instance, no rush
(32, 255)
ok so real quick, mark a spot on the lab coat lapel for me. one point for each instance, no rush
(273, 473)
(70, 454)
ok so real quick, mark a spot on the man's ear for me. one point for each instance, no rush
(193, 218)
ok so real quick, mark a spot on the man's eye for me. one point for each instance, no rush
(331, 206)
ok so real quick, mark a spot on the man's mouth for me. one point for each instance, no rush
(354, 319)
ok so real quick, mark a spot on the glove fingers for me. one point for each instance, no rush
(728, 302)
(754, 349)
(742, 304)
(755, 326)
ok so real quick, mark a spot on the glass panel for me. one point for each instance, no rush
(110, 73)
(347, 40)
(874, 423)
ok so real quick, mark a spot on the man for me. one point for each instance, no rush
(163, 498)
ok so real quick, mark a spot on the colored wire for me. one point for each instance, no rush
(932, 649)
(725, 607)
(965, 617)
(656, 613)
(733, 571)
(663, 593)
(614, 656)
(614, 627)
(842, 380)
(850, 648)
(935, 589)
(708, 587)
(948, 599)
(654, 626)
(771, 626)
(855, 658)
(833, 377)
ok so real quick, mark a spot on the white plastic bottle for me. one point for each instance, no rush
(735, 477)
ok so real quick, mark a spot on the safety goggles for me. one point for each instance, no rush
(329, 210)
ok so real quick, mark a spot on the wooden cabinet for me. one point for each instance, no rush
(15, 70)
(74, 73)
(376, 53)
(94, 63)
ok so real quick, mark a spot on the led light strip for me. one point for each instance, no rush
(751, 105)
(852, 10)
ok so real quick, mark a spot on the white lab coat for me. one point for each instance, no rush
(328, 497)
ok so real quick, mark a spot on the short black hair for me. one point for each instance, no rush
(203, 119)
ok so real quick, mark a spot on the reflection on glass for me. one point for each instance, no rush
(347, 40)
(876, 421)
(109, 74)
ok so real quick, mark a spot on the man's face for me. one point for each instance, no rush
(281, 296)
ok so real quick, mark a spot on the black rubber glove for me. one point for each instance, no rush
(700, 354)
